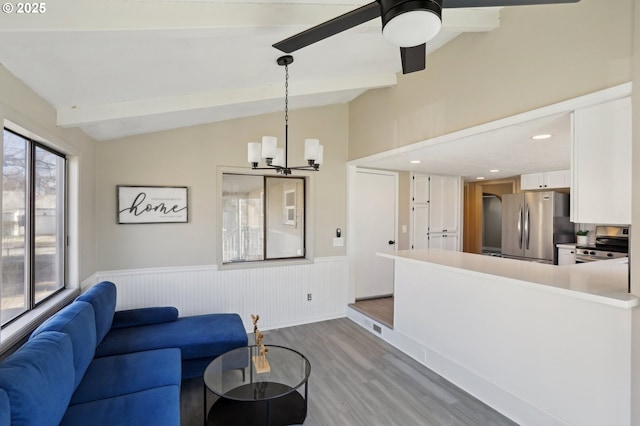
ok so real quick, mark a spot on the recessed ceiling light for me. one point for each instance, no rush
(541, 136)
(494, 171)
(480, 178)
(415, 161)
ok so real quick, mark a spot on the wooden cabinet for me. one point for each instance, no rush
(546, 180)
(435, 211)
(601, 163)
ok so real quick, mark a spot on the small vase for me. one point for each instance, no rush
(582, 239)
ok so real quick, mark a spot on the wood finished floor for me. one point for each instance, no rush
(380, 309)
(358, 379)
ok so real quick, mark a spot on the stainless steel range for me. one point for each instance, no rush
(611, 242)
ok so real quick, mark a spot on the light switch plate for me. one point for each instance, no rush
(338, 242)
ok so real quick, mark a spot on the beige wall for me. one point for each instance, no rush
(539, 56)
(192, 157)
(22, 106)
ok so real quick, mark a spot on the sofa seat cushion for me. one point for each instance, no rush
(129, 373)
(39, 379)
(76, 320)
(197, 337)
(158, 407)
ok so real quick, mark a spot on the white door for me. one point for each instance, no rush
(375, 209)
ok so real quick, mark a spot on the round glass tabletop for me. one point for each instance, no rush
(243, 375)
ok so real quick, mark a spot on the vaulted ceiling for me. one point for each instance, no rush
(116, 68)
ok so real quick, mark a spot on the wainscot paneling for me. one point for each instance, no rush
(277, 293)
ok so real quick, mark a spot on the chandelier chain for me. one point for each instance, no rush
(286, 94)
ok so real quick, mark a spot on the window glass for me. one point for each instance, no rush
(48, 273)
(263, 218)
(285, 217)
(242, 218)
(14, 205)
(33, 224)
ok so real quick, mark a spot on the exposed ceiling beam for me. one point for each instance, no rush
(118, 15)
(90, 114)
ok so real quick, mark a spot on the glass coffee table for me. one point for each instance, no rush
(249, 397)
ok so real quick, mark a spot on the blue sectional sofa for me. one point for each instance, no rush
(91, 365)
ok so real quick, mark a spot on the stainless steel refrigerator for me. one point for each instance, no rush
(533, 223)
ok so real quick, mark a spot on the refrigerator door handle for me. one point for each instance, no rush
(520, 226)
(527, 224)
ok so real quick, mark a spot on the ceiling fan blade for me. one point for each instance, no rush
(497, 3)
(413, 58)
(329, 28)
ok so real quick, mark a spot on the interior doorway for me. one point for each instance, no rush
(474, 213)
(373, 210)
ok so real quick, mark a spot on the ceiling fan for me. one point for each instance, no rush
(408, 24)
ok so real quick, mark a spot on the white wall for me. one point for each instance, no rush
(279, 294)
(23, 107)
(539, 357)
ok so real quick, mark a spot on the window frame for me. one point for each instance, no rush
(306, 258)
(33, 144)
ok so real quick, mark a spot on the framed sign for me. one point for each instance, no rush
(152, 204)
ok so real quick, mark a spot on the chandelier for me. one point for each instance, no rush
(276, 158)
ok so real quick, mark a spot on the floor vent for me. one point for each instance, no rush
(377, 328)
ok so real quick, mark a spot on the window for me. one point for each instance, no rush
(263, 218)
(33, 224)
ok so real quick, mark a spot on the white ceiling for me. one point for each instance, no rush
(116, 68)
(509, 149)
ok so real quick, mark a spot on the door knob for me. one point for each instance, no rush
(391, 242)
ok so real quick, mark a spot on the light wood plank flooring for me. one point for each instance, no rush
(358, 379)
(380, 309)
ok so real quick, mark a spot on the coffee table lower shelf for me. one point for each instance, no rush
(289, 409)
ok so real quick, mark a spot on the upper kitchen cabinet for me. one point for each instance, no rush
(444, 197)
(601, 163)
(435, 211)
(546, 180)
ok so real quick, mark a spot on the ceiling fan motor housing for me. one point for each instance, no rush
(410, 29)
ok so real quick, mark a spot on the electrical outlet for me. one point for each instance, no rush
(309, 297)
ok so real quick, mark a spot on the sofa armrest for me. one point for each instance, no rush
(144, 316)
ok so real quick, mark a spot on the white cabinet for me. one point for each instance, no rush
(444, 200)
(601, 163)
(566, 255)
(447, 241)
(546, 180)
(435, 211)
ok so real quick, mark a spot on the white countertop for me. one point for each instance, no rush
(605, 281)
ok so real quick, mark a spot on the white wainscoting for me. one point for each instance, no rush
(277, 293)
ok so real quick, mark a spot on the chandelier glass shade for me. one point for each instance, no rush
(277, 158)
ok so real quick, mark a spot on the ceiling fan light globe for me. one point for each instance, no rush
(412, 28)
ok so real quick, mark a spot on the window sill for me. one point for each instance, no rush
(18, 330)
(264, 264)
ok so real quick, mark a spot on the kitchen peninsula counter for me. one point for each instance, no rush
(542, 344)
(603, 281)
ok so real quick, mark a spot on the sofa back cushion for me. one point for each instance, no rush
(39, 379)
(77, 320)
(102, 297)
